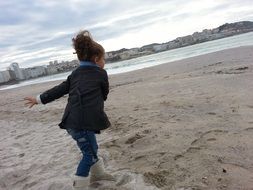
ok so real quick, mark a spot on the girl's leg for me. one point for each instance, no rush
(87, 143)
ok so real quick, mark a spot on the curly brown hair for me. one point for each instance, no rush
(86, 48)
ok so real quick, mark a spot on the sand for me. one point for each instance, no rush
(184, 125)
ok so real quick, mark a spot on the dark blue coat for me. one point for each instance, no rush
(88, 88)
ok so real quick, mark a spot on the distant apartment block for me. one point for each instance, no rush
(5, 76)
(18, 73)
(34, 72)
(15, 73)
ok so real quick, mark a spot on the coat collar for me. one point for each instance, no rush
(87, 63)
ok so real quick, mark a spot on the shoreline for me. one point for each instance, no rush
(12, 86)
(182, 125)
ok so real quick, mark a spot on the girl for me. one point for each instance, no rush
(84, 114)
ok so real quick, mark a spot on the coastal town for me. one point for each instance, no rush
(14, 73)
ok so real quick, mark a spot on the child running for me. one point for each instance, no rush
(84, 116)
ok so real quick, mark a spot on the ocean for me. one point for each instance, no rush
(156, 59)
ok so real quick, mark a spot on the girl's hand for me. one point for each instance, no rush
(30, 101)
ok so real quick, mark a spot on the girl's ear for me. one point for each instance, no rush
(96, 59)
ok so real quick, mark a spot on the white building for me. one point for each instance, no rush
(5, 76)
(19, 75)
(51, 70)
(34, 72)
(160, 47)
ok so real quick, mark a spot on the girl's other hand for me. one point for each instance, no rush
(30, 101)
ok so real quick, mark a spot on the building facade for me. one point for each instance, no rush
(18, 73)
(5, 76)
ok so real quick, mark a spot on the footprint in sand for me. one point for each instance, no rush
(134, 138)
(211, 139)
(146, 131)
(206, 136)
(24, 134)
(197, 144)
(157, 178)
(248, 129)
(211, 113)
(125, 180)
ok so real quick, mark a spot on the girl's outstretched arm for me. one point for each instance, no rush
(55, 92)
(49, 95)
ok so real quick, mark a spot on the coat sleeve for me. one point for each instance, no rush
(105, 85)
(56, 92)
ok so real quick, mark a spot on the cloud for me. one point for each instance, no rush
(30, 28)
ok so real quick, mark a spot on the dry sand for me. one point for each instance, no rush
(184, 125)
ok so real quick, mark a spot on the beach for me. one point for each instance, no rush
(183, 125)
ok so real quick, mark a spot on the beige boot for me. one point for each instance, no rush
(80, 183)
(97, 172)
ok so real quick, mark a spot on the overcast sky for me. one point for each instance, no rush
(34, 32)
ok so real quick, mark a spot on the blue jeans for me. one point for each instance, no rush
(87, 143)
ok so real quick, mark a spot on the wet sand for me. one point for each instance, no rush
(183, 125)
